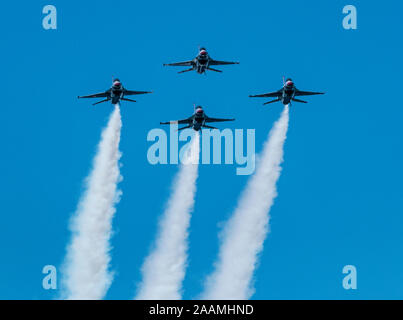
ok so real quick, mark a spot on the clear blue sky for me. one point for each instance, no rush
(340, 194)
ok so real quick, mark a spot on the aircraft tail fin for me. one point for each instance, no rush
(126, 99)
(271, 101)
(298, 100)
(100, 102)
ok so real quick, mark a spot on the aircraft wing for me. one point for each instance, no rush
(270, 94)
(184, 121)
(217, 63)
(130, 92)
(208, 119)
(180, 64)
(97, 95)
(306, 93)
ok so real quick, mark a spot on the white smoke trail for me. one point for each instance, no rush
(246, 230)
(88, 257)
(164, 269)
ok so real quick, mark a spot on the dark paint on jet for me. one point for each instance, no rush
(197, 121)
(201, 63)
(116, 93)
(286, 94)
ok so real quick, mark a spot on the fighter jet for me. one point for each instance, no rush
(286, 94)
(116, 93)
(201, 63)
(197, 121)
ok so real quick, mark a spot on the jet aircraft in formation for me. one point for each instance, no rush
(197, 121)
(201, 63)
(115, 93)
(286, 94)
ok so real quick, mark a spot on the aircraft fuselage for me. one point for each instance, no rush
(288, 94)
(116, 94)
(198, 121)
(202, 63)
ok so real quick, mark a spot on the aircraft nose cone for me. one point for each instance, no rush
(199, 110)
(289, 84)
(203, 52)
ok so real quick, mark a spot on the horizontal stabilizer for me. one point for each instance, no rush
(189, 126)
(100, 102)
(214, 70)
(187, 70)
(210, 127)
(271, 101)
(126, 99)
(298, 100)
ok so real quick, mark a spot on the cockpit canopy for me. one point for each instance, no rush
(289, 82)
(117, 83)
(203, 52)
